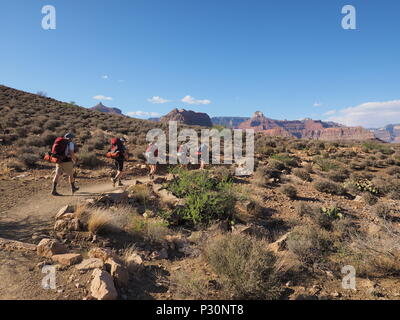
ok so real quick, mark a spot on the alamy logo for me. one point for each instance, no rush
(233, 147)
(49, 281)
(349, 280)
(349, 20)
(49, 20)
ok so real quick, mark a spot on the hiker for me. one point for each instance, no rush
(64, 150)
(151, 155)
(201, 153)
(119, 154)
(184, 153)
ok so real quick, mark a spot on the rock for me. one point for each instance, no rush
(89, 264)
(280, 244)
(134, 263)
(222, 226)
(358, 198)
(67, 225)
(149, 214)
(102, 286)
(67, 259)
(118, 271)
(118, 196)
(188, 117)
(50, 247)
(103, 254)
(64, 210)
(159, 180)
(16, 245)
(252, 230)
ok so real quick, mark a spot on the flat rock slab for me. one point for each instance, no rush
(16, 245)
(67, 259)
(89, 264)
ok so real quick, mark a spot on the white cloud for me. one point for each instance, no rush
(370, 114)
(317, 104)
(157, 100)
(191, 100)
(105, 77)
(330, 112)
(143, 114)
(101, 97)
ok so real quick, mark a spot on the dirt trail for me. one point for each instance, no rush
(36, 214)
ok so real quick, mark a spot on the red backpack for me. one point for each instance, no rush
(116, 150)
(57, 153)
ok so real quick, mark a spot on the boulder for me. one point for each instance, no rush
(64, 210)
(67, 259)
(102, 286)
(67, 225)
(280, 244)
(103, 254)
(134, 263)
(118, 271)
(90, 264)
(16, 245)
(50, 247)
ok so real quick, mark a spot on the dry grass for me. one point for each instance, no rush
(190, 285)
(245, 267)
(100, 220)
(140, 192)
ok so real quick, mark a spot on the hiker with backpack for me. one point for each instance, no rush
(63, 154)
(151, 155)
(184, 153)
(202, 151)
(119, 154)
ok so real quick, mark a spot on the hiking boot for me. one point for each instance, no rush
(74, 188)
(113, 182)
(54, 190)
(120, 184)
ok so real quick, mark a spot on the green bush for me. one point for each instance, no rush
(207, 198)
(89, 160)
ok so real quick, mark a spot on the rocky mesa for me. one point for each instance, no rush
(188, 117)
(305, 129)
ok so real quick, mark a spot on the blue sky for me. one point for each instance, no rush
(289, 59)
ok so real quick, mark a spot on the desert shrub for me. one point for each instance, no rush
(138, 152)
(394, 172)
(190, 285)
(309, 245)
(303, 174)
(357, 165)
(330, 187)
(245, 267)
(369, 198)
(339, 175)
(325, 164)
(263, 175)
(99, 221)
(29, 160)
(289, 191)
(371, 146)
(276, 165)
(140, 193)
(34, 141)
(89, 160)
(381, 210)
(376, 254)
(152, 230)
(287, 160)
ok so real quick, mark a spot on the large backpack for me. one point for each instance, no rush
(116, 151)
(57, 153)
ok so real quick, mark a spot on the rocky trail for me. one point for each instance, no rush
(35, 216)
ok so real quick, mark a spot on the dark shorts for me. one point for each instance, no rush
(119, 164)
